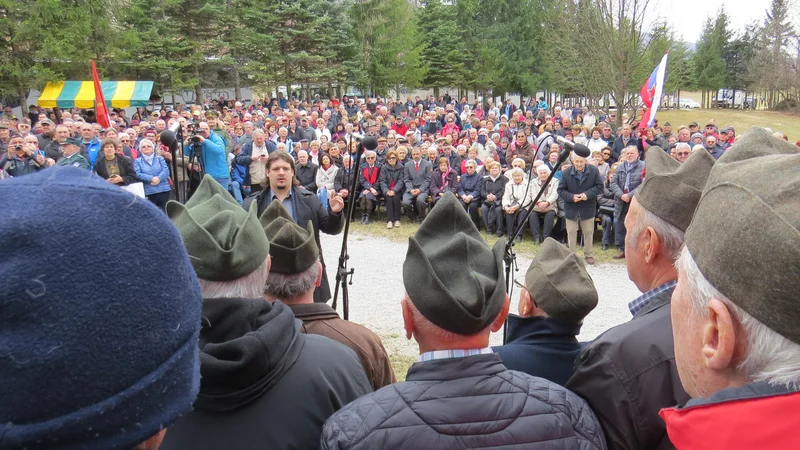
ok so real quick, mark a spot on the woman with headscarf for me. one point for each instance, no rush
(153, 171)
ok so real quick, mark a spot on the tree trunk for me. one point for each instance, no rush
(436, 94)
(198, 90)
(237, 83)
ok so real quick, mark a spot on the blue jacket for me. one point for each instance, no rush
(215, 158)
(470, 185)
(145, 172)
(541, 347)
(92, 149)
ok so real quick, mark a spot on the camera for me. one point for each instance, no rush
(196, 139)
(17, 147)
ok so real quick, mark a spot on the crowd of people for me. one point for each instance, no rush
(205, 324)
(426, 147)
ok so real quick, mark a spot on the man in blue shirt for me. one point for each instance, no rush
(91, 143)
(214, 158)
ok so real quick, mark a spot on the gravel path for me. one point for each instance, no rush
(378, 288)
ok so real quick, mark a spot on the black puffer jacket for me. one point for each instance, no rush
(465, 403)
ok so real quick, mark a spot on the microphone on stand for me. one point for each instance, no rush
(579, 149)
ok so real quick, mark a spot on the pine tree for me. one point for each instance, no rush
(708, 64)
(444, 51)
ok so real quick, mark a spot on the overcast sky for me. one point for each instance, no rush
(687, 16)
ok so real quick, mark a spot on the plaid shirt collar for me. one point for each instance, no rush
(449, 354)
(641, 302)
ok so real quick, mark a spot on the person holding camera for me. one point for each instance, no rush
(207, 151)
(21, 158)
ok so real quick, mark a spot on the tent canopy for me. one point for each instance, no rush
(80, 94)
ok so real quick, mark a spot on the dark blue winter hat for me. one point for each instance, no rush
(99, 315)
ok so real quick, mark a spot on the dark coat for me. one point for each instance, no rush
(437, 186)
(307, 175)
(464, 403)
(591, 185)
(126, 170)
(391, 174)
(470, 185)
(364, 182)
(344, 179)
(321, 319)
(628, 374)
(256, 396)
(526, 152)
(496, 187)
(417, 179)
(620, 144)
(310, 208)
(618, 181)
(541, 347)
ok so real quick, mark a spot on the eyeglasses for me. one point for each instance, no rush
(389, 158)
(370, 157)
(520, 281)
(683, 153)
(606, 154)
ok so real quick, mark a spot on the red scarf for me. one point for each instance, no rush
(373, 177)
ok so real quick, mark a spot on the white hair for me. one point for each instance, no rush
(543, 168)
(248, 286)
(769, 356)
(680, 145)
(258, 131)
(427, 328)
(288, 286)
(697, 148)
(146, 141)
(671, 236)
(516, 170)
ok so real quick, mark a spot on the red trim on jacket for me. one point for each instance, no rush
(371, 179)
(743, 424)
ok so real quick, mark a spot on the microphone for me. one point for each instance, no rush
(169, 136)
(579, 149)
(369, 143)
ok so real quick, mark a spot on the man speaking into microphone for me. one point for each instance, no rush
(578, 188)
(302, 205)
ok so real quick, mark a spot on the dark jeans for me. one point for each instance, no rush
(607, 221)
(393, 208)
(619, 227)
(472, 209)
(535, 222)
(492, 217)
(513, 220)
(160, 199)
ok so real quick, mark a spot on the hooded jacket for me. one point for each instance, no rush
(264, 383)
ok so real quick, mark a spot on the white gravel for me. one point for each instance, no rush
(378, 288)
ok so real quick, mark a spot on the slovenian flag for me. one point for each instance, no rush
(651, 93)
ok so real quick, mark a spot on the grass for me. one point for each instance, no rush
(742, 120)
(526, 248)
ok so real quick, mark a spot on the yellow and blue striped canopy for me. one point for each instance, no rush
(80, 94)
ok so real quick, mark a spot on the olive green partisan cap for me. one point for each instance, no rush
(559, 283)
(671, 190)
(744, 236)
(292, 247)
(451, 275)
(224, 241)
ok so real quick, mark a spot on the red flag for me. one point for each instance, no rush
(100, 110)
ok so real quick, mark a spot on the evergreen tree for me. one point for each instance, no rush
(708, 63)
(444, 52)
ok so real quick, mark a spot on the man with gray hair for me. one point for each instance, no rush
(628, 373)
(735, 309)
(627, 179)
(682, 151)
(460, 395)
(296, 272)
(264, 383)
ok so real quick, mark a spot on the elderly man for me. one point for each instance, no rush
(628, 373)
(120, 374)
(710, 144)
(460, 395)
(626, 180)
(254, 157)
(306, 172)
(21, 158)
(555, 295)
(302, 206)
(578, 189)
(53, 149)
(213, 158)
(296, 272)
(90, 141)
(71, 150)
(624, 141)
(737, 345)
(682, 151)
(265, 384)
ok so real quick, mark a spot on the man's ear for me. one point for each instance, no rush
(501, 318)
(719, 336)
(408, 318)
(269, 263)
(319, 275)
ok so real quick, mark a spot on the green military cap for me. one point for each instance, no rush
(671, 190)
(559, 283)
(450, 274)
(72, 141)
(745, 235)
(224, 241)
(292, 247)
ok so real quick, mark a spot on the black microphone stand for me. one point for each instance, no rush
(344, 277)
(510, 258)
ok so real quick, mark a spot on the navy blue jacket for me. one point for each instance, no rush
(541, 347)
(591, 185)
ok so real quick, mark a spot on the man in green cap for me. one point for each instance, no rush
(628, 373)
(264, 383)
(556, 293)
(460, 395)
(296, 272)
(71, 150)
(736, 309)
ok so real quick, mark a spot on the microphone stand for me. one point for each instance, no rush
(344, 277)
(510, 258)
